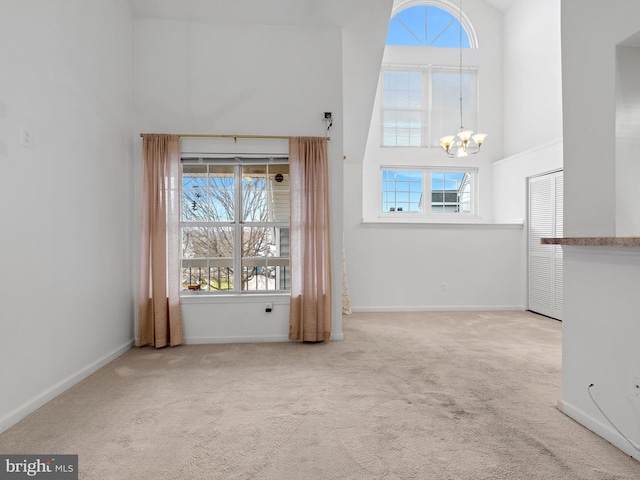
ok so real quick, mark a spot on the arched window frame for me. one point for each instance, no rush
(445, 5)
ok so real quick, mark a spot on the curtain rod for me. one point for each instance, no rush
(227, 135)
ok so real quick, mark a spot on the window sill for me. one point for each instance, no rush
(422, 222)
(222, 298)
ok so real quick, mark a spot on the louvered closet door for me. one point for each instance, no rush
(545, 261)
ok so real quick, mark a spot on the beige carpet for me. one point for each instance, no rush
(406, 396)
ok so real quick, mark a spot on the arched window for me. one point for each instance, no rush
(426, 26)
(421, 88)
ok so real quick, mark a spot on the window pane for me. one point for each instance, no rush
(402, 109)
(265, 193)
(254, 193)
(402, 128)
(194, 176)
(445, 102)
(207, 258)
(389, 137)
(221, 202)
(415, 198)
(450, 192)
(265, 258)
(403, 89)
(207, 193)
(278, 193)
(437, 181)
(399, 194)
(403, 137)
(415, 138)
(194, 192)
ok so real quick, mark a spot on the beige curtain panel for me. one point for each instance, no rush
(159, 316)
(310, 310)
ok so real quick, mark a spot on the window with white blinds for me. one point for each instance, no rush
(421, 104)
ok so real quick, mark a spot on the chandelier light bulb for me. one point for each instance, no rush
(465, 135)
(446, 142)
(479, 138)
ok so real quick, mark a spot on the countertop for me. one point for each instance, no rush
(593, 241)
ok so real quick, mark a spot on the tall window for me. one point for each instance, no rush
(420, 105)
(428, 191)
(235, 225)
(420, 100)
(417, 103)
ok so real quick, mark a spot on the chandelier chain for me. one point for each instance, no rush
(460, 33)
(465, 142)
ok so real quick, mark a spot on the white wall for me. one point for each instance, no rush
(532, 106)
(532, 111)
(510, 179)
(216, 77)
(600, 328)
(532, 75)
(363, 47)
(600, 334)
(66, 283)
(589, 106)
(627, 139)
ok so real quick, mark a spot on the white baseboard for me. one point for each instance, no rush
(235, 339)
(52, 392)
(439, 308)
(599, 427)
(248, 339)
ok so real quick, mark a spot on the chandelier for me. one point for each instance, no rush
(465, 141)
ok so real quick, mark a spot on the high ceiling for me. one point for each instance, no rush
(270, 12)
(501, 5)
(289, 12)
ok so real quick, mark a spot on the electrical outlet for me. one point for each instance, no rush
(634, 386)
(268, 307)
(26, 137)
(443, 287)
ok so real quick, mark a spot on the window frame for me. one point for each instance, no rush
(238, 224)
(426, 214)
